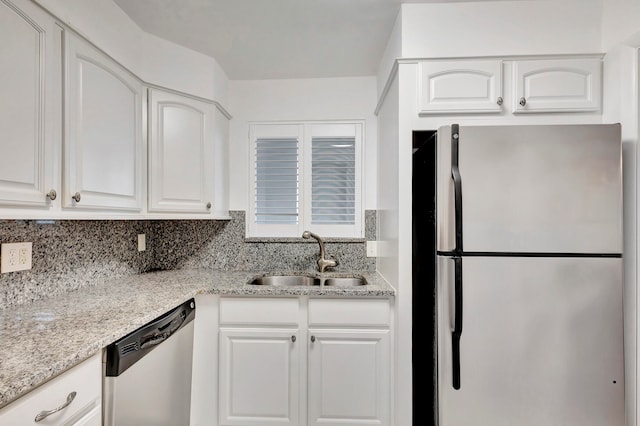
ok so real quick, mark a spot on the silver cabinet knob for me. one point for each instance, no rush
(52, 195)
(208, 205)
(293, 338)
(76, 197)
(44, 414)
(500, 100)
(313, 338)
(523, 101)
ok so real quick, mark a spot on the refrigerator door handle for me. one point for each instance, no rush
(457, 187)
(457, 328)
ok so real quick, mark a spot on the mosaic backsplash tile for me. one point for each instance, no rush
(70, 254)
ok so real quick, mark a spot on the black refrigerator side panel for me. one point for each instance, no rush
(424, 279)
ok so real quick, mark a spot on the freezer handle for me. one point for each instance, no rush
(457, 186)
(457, 327)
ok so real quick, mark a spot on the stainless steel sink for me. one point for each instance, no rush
(286, 280)
(344, 281)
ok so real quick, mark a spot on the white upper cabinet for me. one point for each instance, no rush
(540, 85)
(557, 85)
(30, 54)
(181, 153)
(74, 141)
(104, 152)
(466, 86)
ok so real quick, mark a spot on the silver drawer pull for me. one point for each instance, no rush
(76, 197)
(44, 414)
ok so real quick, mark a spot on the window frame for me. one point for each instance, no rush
(305, 131)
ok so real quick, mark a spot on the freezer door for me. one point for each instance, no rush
(540, 344)
(543, 189)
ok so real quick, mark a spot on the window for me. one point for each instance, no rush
(305, 176)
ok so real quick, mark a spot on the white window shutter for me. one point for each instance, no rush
(333, 181)
(275, 184)
(276, 181)
(306, 177)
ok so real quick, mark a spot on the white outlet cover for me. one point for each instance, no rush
(15, 257)
(142, 242)
(372, 248)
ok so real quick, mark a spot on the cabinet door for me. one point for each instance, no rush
(30, 104)
(180, 153)
(103, 145)
(259, 377)
(557, 85)
(348, 379)
(460, 87)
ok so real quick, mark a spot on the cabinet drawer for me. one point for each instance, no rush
(85, 379)
(349, 312)
(248, 311)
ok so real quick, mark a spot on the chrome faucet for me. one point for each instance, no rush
(323, 262)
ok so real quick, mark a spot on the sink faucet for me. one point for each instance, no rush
(323, 262)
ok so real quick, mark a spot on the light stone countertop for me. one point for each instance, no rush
(40, 340)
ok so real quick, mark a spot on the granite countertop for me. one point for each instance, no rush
(40, 340)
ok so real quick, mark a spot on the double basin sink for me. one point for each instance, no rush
(303, 279)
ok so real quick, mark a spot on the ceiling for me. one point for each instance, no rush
(268, 39)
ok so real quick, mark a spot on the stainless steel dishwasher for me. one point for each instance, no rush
(147, 375)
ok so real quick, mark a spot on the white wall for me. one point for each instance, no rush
(299, 99)
(166, 64)
(152, 59)
(501, 28)
(392, 51)
(620, 23)
(621, 105)
(621, 40)
(387, 234)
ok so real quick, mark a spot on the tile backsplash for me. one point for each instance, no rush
(69, 254)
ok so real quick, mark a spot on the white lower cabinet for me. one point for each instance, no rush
(348, 377)
(349, 362)
(73, 398)
(259, 371)
(299, 361)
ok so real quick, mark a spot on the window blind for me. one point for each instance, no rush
(333, 180)
(276, 181)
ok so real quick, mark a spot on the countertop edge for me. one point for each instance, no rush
(198, 283)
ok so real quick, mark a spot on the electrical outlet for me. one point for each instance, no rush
(142, 242)
(372, 248)
(15, 257)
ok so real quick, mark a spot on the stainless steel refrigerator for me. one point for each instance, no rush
(528, 320)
